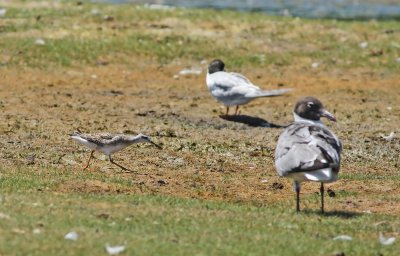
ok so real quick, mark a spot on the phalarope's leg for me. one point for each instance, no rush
(120, 166)
(236, 110)
(227, 110)
(87, 164)
(126, 169)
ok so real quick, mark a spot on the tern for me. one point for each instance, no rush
(234, 89)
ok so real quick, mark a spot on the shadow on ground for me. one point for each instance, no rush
(251, 121)
(339, 214)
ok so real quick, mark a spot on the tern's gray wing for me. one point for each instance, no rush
(250, 91)
(307, 147)
(230, 83)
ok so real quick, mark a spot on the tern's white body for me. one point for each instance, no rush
(233, 89)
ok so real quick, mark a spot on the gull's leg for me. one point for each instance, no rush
(297, 188)
(87, 164)
(227, 110)
(322, 197)
(236, 110)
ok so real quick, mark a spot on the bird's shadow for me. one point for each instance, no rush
(251, 121)
(338, 214)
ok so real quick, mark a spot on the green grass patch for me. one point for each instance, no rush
(36, 217)
(159, 225)
(77, 35)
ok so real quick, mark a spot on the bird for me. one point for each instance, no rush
(307, 150)
(109, 143)
(234, 89)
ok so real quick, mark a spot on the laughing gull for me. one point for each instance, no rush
(307, 150)
(233, 89)
(109, 143)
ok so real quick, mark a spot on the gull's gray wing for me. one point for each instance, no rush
(307, 147)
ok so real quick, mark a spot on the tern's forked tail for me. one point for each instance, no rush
(273, 93)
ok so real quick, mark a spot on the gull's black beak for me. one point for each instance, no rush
(328, 115)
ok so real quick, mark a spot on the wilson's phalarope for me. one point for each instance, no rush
(108, 143)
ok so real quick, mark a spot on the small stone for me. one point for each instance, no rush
(40, 41)
(36, 231)
(331, 193)
(276, 186)
(386, 240)
(343, 238)
(363, 45)
(73, 236)
(339, 254)
(315, 65)
(3, 12)
(114, 250)
(4, 216)
(30, 159)
(162, 182)
(103, 215)
(108, 18)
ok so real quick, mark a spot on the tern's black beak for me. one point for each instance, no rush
(328, 115)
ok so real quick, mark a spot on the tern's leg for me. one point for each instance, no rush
(227, 110)
(236, 110)
(87, 164)
(297, 188)
(322, 197)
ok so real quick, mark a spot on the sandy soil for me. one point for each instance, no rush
(204, 156)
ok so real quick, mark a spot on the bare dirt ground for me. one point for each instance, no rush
(203, 155)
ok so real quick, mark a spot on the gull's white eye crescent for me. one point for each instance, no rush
(310, 104)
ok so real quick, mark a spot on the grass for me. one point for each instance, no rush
(164, 225)
(246, 39)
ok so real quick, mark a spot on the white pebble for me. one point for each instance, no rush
(3, 12)
(36, 231)
(363, 45)
(114, 250)
(343, 238)
(40, 41)
(386, 240)
(315, 65)
(72, 236)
